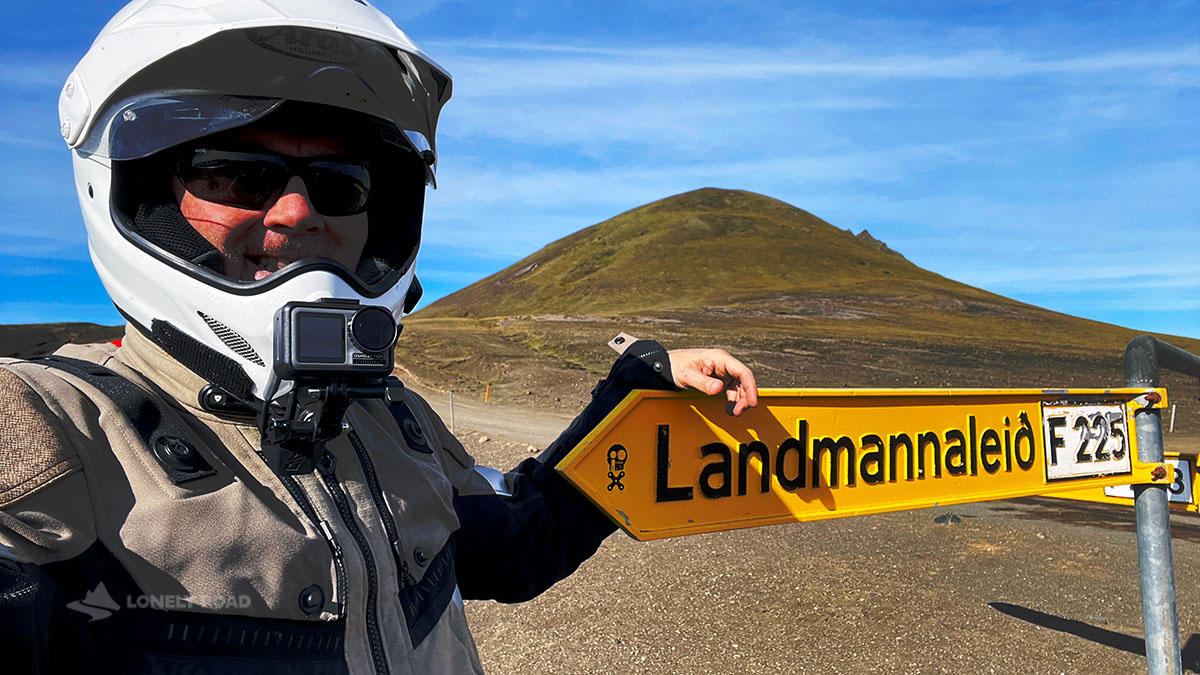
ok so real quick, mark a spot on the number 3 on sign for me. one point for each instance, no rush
(1085, 440)
(1178, 492)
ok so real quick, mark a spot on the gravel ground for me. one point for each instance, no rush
(1024, 586)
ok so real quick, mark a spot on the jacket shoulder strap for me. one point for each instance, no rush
(164, 440)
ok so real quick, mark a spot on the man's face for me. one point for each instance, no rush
(257, 242)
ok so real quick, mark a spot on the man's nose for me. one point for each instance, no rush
(293, 210)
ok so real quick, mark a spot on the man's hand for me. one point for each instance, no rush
(712, 371)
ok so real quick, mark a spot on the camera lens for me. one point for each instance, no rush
(373, 329)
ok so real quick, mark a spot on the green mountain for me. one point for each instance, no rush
(707, 247)
(802, 301)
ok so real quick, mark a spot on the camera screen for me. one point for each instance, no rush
(320, 337)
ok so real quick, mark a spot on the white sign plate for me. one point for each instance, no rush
(1178, 492)
(1085, 440)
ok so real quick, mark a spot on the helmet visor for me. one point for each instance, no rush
(274, 189)
(140, 126)
(237, 76)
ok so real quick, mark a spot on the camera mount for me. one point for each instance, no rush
(296, 426)
(333, 351)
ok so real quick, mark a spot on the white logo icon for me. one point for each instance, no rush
(97, 604)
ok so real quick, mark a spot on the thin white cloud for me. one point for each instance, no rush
(401, 12)
(680, 126)
(510, 67)
(35, 270)
(20, 246)
(1113, 272)
(33, 71)
(31, 142)
(547, 186)
(1107, 300)
(460, 278)
(1003, 62)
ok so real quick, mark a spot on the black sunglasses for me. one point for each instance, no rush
(337, 186)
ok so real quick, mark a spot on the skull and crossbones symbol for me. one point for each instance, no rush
(616, 466)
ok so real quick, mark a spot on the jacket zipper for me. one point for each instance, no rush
(339, 564)
(389, 524)
(325, 465)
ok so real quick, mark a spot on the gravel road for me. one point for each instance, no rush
(534, 427)
(1032, 585)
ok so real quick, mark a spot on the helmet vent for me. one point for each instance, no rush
(235, 342)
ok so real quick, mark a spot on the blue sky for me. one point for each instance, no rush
(1049, 152)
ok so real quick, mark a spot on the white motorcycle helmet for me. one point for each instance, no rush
(165, 74)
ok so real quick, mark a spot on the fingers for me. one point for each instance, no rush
(741, 390)
(747, 389)
(712, 371)
(739, 400)
(695, 378)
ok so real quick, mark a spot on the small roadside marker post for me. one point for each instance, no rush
(451, 412)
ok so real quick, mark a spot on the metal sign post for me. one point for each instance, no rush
(1143, 357)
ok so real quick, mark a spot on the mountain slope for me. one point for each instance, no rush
(803, 302)
(707, 247)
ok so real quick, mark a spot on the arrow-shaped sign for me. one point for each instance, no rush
(664, 464)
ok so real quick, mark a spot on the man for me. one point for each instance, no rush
(194, 501)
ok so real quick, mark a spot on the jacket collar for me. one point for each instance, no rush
(157, 367)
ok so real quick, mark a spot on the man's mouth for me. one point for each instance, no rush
(266, 265)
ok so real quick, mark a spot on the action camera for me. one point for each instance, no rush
(333, 337)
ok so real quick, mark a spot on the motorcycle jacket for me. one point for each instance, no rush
(142, 533)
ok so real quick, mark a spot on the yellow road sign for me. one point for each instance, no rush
(1182, 486)
(665, 464)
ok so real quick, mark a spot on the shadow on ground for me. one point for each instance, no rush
(1090, 514)
(1103, 636)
